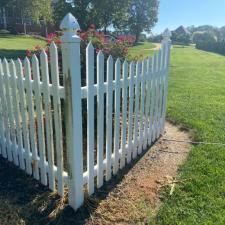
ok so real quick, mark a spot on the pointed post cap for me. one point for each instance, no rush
(167, 34)
(69, 23)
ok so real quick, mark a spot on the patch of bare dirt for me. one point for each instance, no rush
(156, 169)
(157, 47)
(25, 201)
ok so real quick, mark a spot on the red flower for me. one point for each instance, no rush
(58, 41)
(28, 53)
(47, 51)
(97, 50)
(92, 27)
(83, 36)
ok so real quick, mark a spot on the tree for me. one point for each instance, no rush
(207, 28)
(205, 37)
(143, 14)
(37, 10)
(111, 12)
(100, 12)
(40, 10)
(222, 32)
(82, 10)
(181, 38)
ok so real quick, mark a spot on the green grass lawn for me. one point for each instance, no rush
(14, 46)
(143, 49)
(197, 101)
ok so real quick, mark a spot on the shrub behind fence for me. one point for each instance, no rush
(42, 127)
(212, 46)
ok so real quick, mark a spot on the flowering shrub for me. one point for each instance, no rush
(117, 48)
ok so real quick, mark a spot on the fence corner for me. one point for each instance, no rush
(73, 109)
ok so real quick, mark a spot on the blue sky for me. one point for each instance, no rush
(173, 13)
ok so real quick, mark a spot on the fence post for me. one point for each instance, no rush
(73, 109)
(166, 46)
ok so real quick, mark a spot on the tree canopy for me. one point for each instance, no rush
(203, 36)
(143, 14)
(101, 13)
(131, 16)
(134, 16)
(37, 10)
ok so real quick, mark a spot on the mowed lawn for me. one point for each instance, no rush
(14, 46)
(142, 50)
(196, 100)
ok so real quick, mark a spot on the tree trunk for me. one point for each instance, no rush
(137, 35)
(105, 29)
(4, 19)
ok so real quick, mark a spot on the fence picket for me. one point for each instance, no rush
(152, 106)
(11, 150)
(90, 116)
(24, 115)
(109, 118)
(16, 114)
(124, 114)
(40, 126)
(48, 119)
(158, 93)
(137, 110)
(161, 90)
(3, 127)
(147, 103)
(2, 138)
(131, 111)
(57, 117)
(167, 60)
(100, 114)
(30, 103)
(117, 116)
(142, 106)
(163, 85)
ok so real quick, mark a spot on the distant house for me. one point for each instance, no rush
(181, 36)
(182, 30)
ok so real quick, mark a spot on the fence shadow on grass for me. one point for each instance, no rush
(12, 53)
(24, 199)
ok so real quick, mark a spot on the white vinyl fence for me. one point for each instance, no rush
(71, 135)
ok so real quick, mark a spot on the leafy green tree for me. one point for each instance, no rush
(206, 36)
(111, 12)
(40, 10)
(102, 13)
(82, 10)
(37, 10)
(143, 14)
(207, 28)
(222, 32)
(181, 38)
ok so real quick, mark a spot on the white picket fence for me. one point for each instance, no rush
(41, 118)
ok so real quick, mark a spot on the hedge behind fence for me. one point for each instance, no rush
(215, 46)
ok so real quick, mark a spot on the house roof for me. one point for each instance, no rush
(182, 30)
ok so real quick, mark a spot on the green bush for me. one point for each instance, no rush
(4, 31)
(212, 46)
(204, 36)
(180, 39)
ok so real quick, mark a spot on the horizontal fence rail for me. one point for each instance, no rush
(70, 135)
